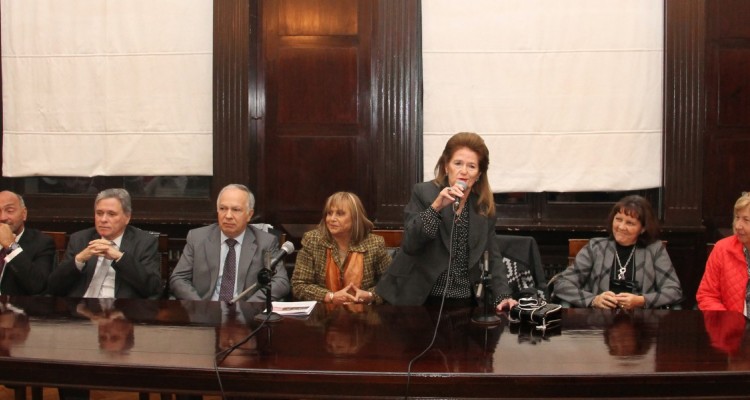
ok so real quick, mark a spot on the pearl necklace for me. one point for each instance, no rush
(622, 268)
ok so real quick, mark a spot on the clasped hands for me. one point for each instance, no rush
(351, 294)
(99, 248)
(610, 300)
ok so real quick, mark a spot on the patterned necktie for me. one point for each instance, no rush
(226, 291)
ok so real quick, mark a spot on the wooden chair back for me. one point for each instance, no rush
(574, 246)
(392, 239)
(164, 268)
(61, 243)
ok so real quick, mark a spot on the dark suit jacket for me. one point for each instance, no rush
(137, 272)
(195, 276)
(422, 259)
(27, 272)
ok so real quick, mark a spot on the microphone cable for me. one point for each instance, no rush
(440, 312)
(222, 355)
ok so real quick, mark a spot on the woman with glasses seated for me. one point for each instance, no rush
(629, 269)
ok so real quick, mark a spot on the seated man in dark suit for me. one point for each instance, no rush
(212, 269)
(110, 260)
(27, 255)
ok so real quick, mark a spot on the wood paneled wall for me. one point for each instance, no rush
(311, 97)
(727, 127)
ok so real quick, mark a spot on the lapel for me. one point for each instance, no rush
(212, 250)
(606, 266)
(477, 233)
(249, 247)
(28, 239)
(127, 245)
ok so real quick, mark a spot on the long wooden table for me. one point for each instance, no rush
(365, 351)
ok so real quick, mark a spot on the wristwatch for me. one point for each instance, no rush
(13, 246)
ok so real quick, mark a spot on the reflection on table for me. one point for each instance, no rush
(343, 351)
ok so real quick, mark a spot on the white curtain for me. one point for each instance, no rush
(106, 87)
(567, 94)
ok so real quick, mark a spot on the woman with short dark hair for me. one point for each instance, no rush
(629, 269)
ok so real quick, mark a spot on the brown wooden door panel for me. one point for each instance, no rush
(727, 137)
(316, 135)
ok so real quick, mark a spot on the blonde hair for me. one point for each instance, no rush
(742, 203)
(361, 225)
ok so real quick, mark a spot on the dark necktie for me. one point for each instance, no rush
(226, 291)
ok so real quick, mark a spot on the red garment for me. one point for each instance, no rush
(725, 330)
(725, 280)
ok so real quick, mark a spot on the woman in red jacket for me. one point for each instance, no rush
(724, 284)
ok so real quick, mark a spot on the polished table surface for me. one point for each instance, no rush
(365, 351)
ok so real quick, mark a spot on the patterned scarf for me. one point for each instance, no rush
(353, 271)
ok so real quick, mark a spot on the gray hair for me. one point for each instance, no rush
(116, 193)
(20, 199)
(238, 186)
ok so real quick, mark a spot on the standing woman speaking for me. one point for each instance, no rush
(448, 224)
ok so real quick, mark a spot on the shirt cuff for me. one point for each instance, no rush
(430, 221)
(13, 254)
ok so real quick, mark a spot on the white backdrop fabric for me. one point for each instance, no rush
(107, 87)
(567, 94)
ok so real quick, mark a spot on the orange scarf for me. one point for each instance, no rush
(353, 271)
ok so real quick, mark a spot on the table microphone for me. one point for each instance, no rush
(265, 274)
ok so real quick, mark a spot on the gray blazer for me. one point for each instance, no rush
(137, 273)
(195, 276)
(590, 274)
(416, 268)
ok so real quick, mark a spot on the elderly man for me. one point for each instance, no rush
(27, 255)
(223, 259)
(110, 260)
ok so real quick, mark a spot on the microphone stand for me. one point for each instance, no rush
(488, 316)
(264, 279)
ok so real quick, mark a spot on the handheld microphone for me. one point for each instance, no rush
(463, 186)
(265, 274)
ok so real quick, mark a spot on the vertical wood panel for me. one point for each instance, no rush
(397, 105)
(734, 87)
(727, 128)
(684, 103)
(316, 141)
(233, 150)
(317, 85)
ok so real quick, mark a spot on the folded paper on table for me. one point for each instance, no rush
(293, 307)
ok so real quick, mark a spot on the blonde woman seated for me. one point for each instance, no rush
(340, 261)
(629, 269)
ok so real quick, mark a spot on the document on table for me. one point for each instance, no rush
(293, 307)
